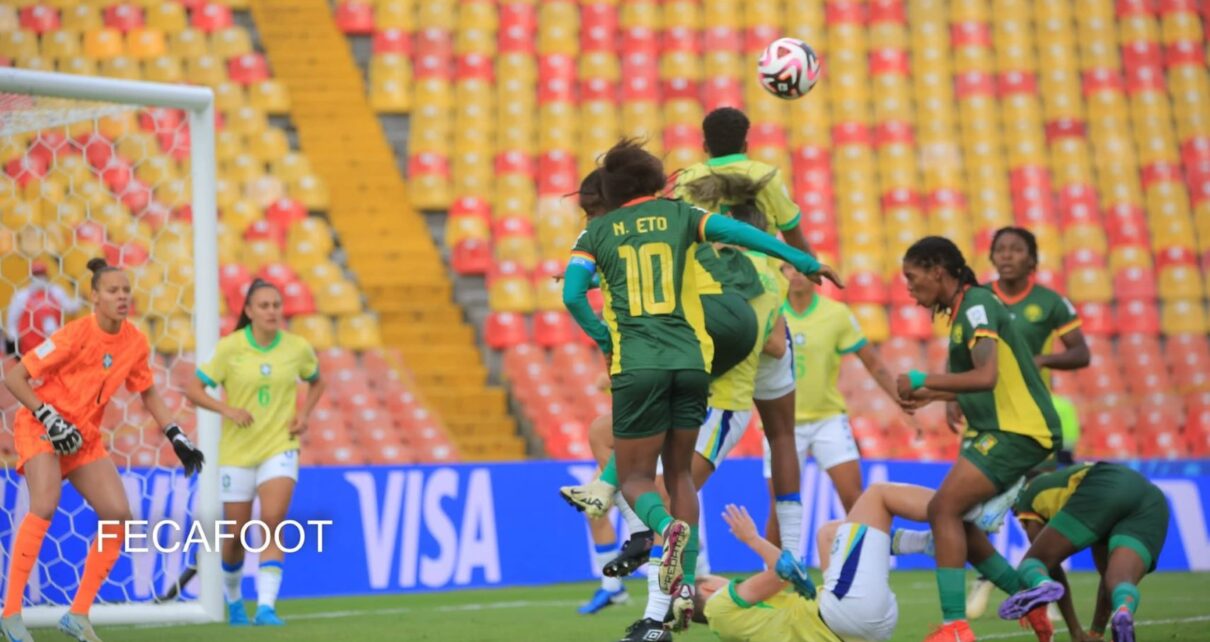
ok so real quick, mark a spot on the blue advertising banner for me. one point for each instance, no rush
(372, 530)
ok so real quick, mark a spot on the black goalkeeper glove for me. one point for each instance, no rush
(61, 433)
(191, 457)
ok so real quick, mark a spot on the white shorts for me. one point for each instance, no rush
(775, 377)
(830, 441)
(718, 436)
(857, 602)
(239, 484)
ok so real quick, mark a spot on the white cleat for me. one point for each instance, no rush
(13, 628)
(989, 516)
(976, 599)
(78, 628)
(594, 499)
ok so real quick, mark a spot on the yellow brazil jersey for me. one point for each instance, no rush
(821, 335)
(774, 199)
(733, 390)
(262, 380)
(785, 617)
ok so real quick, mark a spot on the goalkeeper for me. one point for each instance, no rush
(58, 436)
(259, 366)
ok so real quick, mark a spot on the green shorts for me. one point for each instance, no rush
(1117, 506)
(649, 402)
(732, 324)
(1003, 457)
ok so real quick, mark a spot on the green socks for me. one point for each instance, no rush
(1033, 572)
(951, 586)
(689, 567)
(1001, 573)
(609, 474)
(650, 508)
(1127, 595)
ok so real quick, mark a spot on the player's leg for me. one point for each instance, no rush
(688, 407)
(237, 488)
(774, 398)
(100, 485)
(275, 494)
(596, 497)
(605, 549)
(963, 487)
(1135, 543)
(44, 481)
(836, 452)
(773, 527)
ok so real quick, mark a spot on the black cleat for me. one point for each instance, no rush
(647, 630)
(635, 553)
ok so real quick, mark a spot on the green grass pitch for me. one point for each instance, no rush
(1174, 607)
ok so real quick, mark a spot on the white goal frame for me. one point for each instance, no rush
(198, 103)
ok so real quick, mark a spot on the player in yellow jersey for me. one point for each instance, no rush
(725, 133)
(259, 366)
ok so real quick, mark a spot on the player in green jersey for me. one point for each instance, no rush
(1012, 422)
(1109, 507)
(655, 339)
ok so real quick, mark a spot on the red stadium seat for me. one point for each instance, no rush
(553, 328)
(297, 299)
(355, 18)
(1135, 283)
(1138, 317)
(211, 17)
(505, 329)
(248, 69)
(865, 287)
(911, 321)
(1097, 318)
(123, 17)
(471, 256)
(39, 18)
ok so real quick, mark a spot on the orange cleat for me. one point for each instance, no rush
(1039, 620)
(956, 631)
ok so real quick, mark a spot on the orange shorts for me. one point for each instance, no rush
(29, 436)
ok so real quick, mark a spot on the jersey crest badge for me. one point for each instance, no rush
(265, 370)
(107, 360)
(985, 443)
(1033, 313)
(800, 339)
(956, 333)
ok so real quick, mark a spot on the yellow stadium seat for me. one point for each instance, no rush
(680, 64)
(227, 145)
(188, 43)
(230, 42)
(156, 169)
(79, 65)
(522, 250)
(166, 16)
(173, 335)
(475, 41)
(558, 37)
(1089, 285)
(205, 70)
(36, 63)
(683, 13)
(173, 194)
(305, 254)
(242, 168)
(290, 166)
(165, 69)
(1129, 256)
(640, 13)
(256, 254)
(873, 320)
(120, 67)
(394, 14)
(316, 329)
(61, 44)
(358, 332)
(270, 97)
(166, 299)
(269, 144)
(600, 64)
(80, 17)
(1183, 317)
(338, 298)
(477, 15)
(247, 121)
(435, 92)
(320, 275)
(229, 96)
(1181, 26)
(144, 44)
(461, 228)
(9, 20)
(18, 44)
(311, 191)
(264, 190)
(103, 44)
(1180, 282)
(240, 214)
(510, 294)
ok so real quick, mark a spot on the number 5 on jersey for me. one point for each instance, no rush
(640, 278)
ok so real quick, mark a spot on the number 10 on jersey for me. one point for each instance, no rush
(641, 278)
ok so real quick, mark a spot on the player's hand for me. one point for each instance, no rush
(239, 416)
(604, 383)
(827, 272)
(63, 435)
(953, 417)
(903, 383)
(191, 457)
(742, 526)
(300, 424)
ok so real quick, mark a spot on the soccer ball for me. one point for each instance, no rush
(788, 68)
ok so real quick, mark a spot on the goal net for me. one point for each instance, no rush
(123, 170)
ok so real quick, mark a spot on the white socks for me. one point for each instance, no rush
(907, 541)
(657, 601)
(268, 583)
(633, 523)
(789, 523)
(601, 555)
(233, 577)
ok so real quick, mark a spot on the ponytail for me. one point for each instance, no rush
(937, 251)
(244, 319)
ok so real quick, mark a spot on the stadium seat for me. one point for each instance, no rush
(358, 332)
(211, 17)
(504, 330)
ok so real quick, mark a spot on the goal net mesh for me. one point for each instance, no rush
(83, 179)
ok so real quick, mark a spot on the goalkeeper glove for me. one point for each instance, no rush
(61, 433)
(191, 457)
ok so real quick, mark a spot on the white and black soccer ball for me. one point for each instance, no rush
(788, 68)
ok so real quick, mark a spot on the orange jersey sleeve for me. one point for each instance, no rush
(54, 352)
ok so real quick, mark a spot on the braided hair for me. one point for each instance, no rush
(1031, 241)
(938, 251)
(628, 172)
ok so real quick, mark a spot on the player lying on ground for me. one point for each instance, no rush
(856, 601)
(1013, 426)
(1114, 510)
(58, 436)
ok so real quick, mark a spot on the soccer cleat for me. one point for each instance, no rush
(77, 627)
(1022, 602)
(794, 572)
(1122, 625)
(603, 598)
(594, 499)
(14, 629)
(236, 614)
(897, 544)
(956, 631)
(635, 553)
(682, 606)
(267, 616)
(647, 630)
(676, 540)
(989, 516)
(976, 599)
(1039, 621)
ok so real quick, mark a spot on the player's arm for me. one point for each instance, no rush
(878, 369)
(1033, 526)
(315, 390)
(195, 392)
(1100, 615)
(729, 230)
(775, 345)
(1074, 356)
(576, 280)
(190, 455)
(765, 584)
(980, 378)
(17, 382)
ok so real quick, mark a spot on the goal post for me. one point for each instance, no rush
(198, 104)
